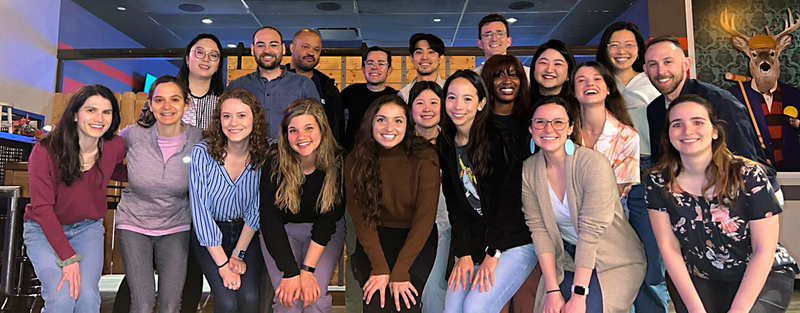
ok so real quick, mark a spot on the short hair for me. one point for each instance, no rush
(494, 17)
(304, 30)
(667, 38)
(267, 27)
(602, 48)
(376, 48)
(435, 42)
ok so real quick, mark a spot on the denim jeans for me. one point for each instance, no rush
(170, 253)
(436, 287)
(653, 295)
(512, 270)
(594, 301)
(248, 298)
(299, 235)
(86, 238)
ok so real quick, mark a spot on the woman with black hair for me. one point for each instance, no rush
(481, 180)
(201, 70)
(553, 64)
(69, 171)
(390, 184)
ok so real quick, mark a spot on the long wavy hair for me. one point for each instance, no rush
(723, 173)
(217, 141)
(217, 81)
(62, 143)
(615, 103)
(602, 48)
(502, 64)
(572, 113)
(367, 182)
(146, 118)
(287, 167)
(483, 126)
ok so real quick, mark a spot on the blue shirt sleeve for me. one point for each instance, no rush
(208, 234)
(309, 89)
(251, 212)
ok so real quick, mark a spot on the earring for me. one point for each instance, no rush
(533, 147)
(569, 147)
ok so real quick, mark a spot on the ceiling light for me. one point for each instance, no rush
(207, 21)
(191, 7)
(521, 5)
(511, 20)
(231, 45)
(121, 8)
(328, 6)
(437, 20)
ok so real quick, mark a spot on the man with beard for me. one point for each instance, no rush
(306, 48)
(427, 52)
(494, 38)
(666, 65)
(272, 84)
(377, 66)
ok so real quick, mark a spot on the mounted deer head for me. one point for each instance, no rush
(763, 50)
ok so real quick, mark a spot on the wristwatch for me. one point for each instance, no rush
(239, 253)
(493, 252)
(308, 268)
(580, 290)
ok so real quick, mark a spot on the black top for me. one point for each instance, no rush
(715, 237)
(519, 127)
(331, 100)
(502, 223)
(274, 218)
(356, 99)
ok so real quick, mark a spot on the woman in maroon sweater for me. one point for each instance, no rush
(68, 172)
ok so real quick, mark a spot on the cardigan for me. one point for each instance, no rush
(596, 213)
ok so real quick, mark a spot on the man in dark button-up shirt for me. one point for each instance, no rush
(272, 84)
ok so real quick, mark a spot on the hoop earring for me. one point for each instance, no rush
(569, 147)
(533, 147)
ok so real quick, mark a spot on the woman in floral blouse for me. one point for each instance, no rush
(714, 216)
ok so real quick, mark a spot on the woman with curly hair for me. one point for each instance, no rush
(391, 181)
(223, 192)
(715, 217)
(301, 209)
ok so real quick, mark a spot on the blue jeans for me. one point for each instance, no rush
(653, 295)
(512, 270)
(594, 301)
(433, 295)
(86, 238)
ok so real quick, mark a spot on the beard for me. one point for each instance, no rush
(276, 61)
(676, 80)
(304, 64)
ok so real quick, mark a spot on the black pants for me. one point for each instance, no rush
(192, 289)
(718, 296)
(392, 241)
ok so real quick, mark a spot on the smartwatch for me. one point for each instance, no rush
(308, 268)
(492, 252)
(580, 290)
(239, 253)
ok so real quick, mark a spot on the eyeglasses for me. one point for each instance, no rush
(616, 46)
(540, 123)
(489, 35)
(200, 54)
(379, 64)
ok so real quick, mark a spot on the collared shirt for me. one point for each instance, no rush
(638, 94)
(768, 98)
(620, 144)
(214, 196)
(406, 90)
(275, 95)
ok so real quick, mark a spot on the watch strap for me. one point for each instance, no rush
(307, 268)
(239, 253)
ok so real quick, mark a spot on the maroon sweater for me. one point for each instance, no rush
(54, 204)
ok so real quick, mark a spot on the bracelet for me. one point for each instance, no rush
(223, 264)
(554, 290)
(73, 259)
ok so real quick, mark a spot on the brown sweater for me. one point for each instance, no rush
(410, 194)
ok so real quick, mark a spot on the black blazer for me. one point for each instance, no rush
(502, 225)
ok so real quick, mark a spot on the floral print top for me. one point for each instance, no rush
(714, 236)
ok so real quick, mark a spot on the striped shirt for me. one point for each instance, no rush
(214, 197)
(200, 110)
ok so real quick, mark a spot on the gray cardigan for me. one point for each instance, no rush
(157, 195)
(606, 240)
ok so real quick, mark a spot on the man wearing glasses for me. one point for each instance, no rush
(271, 83)
(494, 38)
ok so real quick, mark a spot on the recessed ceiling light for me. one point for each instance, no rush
(437, 20)
(121, 8)
(191, 7)
(511, 20)
(231, 45)
(207, 21)
(521, 5)
(328, 6)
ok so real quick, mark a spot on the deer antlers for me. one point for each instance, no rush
(789, 25)
(728, 25)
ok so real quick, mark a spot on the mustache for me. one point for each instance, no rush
(274, 56)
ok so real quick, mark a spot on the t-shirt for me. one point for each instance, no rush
(468, 180)
(356, 99)
(715, 237)
(563, 217)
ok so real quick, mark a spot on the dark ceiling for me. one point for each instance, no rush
(162, 24)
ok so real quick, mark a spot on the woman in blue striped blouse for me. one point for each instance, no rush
(224, 195)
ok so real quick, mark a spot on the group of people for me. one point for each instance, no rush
(558, 188)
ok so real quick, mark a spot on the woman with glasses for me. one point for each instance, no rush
(622, 52)
(201, 69)
(571, 205)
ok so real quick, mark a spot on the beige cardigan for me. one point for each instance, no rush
(606, 240)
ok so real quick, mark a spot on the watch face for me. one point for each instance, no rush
(241, 254)
(579, 290)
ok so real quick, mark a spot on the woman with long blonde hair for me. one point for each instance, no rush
(301, 208)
